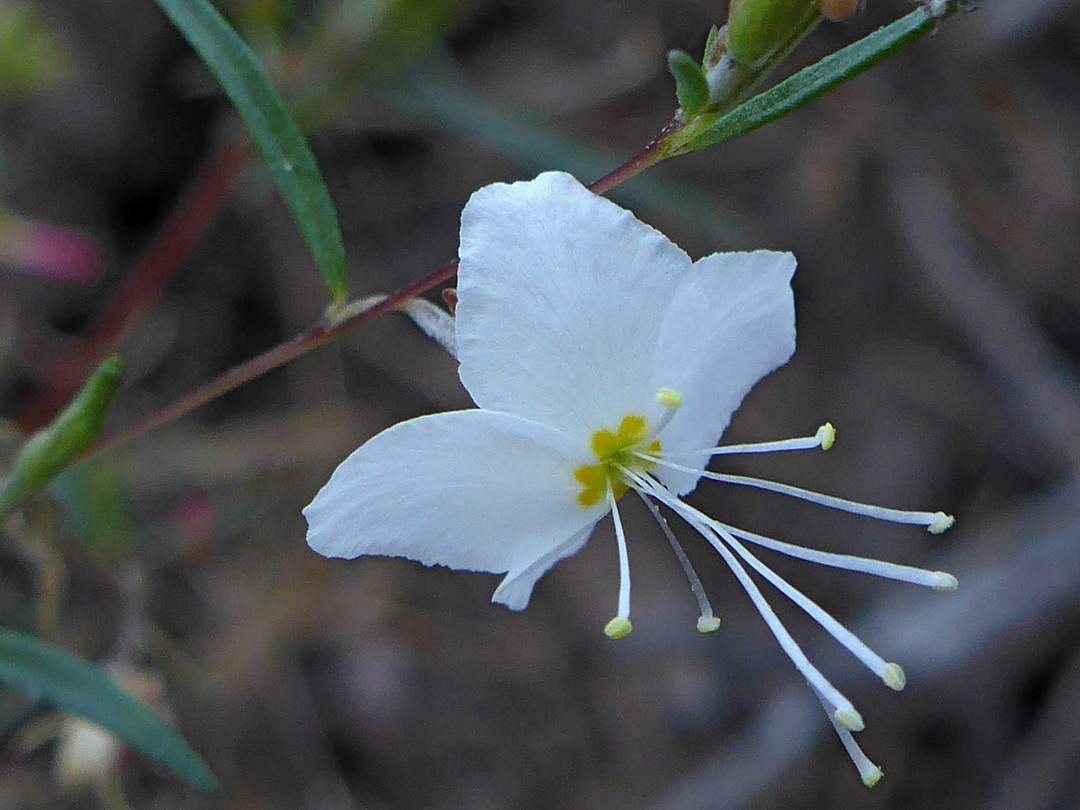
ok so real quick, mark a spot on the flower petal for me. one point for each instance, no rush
(561, 295)
(473, 490)
(517, 586)
(732, 321)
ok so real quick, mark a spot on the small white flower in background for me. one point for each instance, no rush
(603, 360)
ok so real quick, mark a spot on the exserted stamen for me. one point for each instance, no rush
(845, 712)
(938, 580)
(935, 522)
(707, 622)
(891, 674)
(670, 400)
(620, 626)
(869, 772)
(824, 438)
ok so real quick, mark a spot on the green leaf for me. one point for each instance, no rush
(690, 86)
(49, 451)
(287, 155)
(811, 82)
(41, 669)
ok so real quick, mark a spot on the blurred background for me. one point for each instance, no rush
(933, 206)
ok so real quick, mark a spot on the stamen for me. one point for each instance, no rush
(670, 401)
(936, 522)
(891, 674)
(869, 772)
(620, 626)
(938, 580)
(824, 439)
(826, 434)
(845, 712)
(706, 622)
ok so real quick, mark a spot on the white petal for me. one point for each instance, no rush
(473, 490)
(732, 321)
(561, 295)
(517, 586)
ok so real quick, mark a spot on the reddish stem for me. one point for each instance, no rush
(309, 339)
(158, 263)
(650, 155)
(321, 333)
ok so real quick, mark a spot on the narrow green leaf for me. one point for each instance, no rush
(41, 669)
(287, 155)
(690, 86)
(49, 451)
(819, 78)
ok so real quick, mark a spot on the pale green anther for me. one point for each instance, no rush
(617, 628)
(826, 434)
(760, 29)
(668, 399)
(948, 584)
(942, 523)
(849, 719)
(49, 451)
(872, 776)
(708, 624)
(894, 677)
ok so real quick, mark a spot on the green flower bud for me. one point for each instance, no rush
(49, 451)
(759, 29)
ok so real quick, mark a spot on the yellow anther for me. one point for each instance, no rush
(619, 627)
(593, 480)
(632, 430)
(826, 434)
(948, 584)
(708, 624)
(616, 451)
(894, 677)
(849, 719)
(668, 399)
(942, 523)
(872, 776)
(604, 444)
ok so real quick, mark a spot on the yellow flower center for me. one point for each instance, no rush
(615, 451)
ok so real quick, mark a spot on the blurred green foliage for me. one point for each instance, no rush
(32, 59)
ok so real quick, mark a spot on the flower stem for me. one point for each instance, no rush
(311, 338)
(158, 263)
(652, 154)
(326, 331)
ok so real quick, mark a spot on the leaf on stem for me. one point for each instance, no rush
(287, 154)
(690, 86)
(49, 451)
(41, 669)
(815, 80)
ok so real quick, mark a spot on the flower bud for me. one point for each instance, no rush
(760, 29)
(837, 10)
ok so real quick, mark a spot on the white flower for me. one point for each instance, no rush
(602, 359)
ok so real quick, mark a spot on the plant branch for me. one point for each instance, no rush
(158, 263)
(311, 338)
